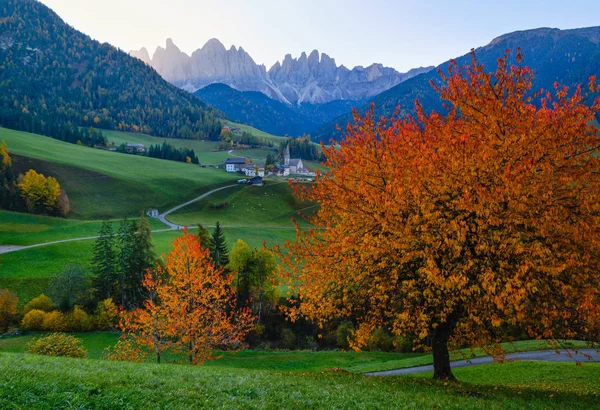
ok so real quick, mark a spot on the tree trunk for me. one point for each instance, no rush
(441, 357)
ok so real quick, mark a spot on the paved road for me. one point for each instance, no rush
(161, 217)
(540, 355)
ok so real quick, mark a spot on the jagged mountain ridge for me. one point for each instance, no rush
(314, 79)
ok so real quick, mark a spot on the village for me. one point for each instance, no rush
(257, 171)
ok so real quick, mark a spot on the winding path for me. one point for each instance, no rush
(162, 217)
(539, 355)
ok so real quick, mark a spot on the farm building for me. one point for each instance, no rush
(235, 164)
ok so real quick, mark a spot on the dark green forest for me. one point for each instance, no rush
(57, 81)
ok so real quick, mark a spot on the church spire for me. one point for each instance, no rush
(286, 156)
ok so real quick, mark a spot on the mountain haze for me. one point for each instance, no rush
(314, 79)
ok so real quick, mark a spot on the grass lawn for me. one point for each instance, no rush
(103, 184)
(27, 229)
(28, 381)
(205, 150)
(245, 206)
(28, 272)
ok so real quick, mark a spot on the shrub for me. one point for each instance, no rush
(78, 321)
(288, 339)
(42, 302)
(403, 344)
(33, 320)
(344, 333)
(107, 315)
(126, 350)
(8, 309)
(54, 321)
(58, 344)
(380, 340)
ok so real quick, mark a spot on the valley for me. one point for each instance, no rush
(204, 230)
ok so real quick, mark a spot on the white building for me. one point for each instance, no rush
(295, 165)
(253, 170)
(235, 164)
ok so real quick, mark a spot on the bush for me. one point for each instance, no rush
(344, 333)
(126, 350)
(78, 321)
(380, 340)
(54, 321)
(403, 344)
(107, 315)
(33, 320)
(58, 344)
(8, 309)
(42, 302)
(288, 339)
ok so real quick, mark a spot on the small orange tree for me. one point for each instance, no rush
(455, 228)
(191, 306)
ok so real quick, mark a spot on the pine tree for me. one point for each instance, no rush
(125, 249)
(142, 258)
(218, 247)
(204, 237)
(103, 261)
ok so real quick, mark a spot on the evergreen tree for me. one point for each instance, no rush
(142, 258)
(103, 262)
(218, 247)
(125, 251)
(204, 237)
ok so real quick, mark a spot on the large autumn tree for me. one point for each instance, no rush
(453, 229)
(191, 306)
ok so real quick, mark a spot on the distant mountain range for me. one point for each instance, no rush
(256, 109)
(53, 76)
(312, 79)
(568, 57)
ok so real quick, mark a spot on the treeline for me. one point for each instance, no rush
(168, 151)
(164, 151)
(55, 79)
(89, 136)
(31, 192)
(244, 139)
(302, 147)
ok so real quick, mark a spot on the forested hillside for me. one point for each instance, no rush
(256, 109)
(568, 57)
(54, 79)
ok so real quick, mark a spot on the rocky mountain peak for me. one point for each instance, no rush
(310, 78)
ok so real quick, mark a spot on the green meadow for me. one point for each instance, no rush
(104, 184)
(244, 206)
(290, 380)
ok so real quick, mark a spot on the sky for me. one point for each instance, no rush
(397, 33)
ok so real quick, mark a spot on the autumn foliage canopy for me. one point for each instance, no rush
(190, 310)
(456, 229)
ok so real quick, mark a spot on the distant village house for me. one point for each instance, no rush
(235, 164)
(135, 148)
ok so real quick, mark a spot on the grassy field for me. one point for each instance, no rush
(205, 150)
(28, 272)
(271, 205)
(103, 184)
(28, 381)
(26, 229)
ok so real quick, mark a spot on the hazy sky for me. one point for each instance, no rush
(398, 33)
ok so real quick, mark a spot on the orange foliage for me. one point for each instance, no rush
(191, 306)
(454, 228)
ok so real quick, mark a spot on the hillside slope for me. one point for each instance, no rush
(568, 57)
(104, 184)
(256, 109)
(53, 75)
